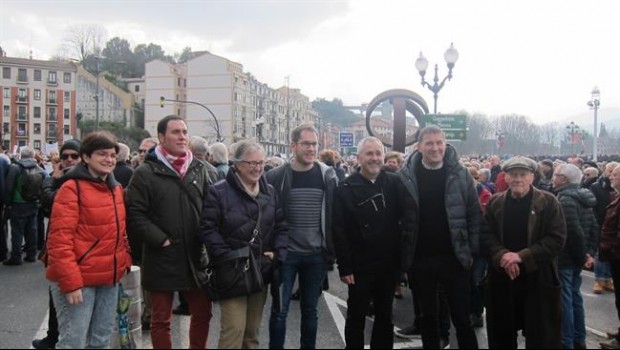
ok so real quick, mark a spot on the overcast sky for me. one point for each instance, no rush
(531, 57)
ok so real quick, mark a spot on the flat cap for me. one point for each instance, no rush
(519, 162)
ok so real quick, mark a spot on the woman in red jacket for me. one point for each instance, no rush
(87, 249)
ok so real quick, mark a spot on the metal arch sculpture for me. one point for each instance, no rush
(402, 100)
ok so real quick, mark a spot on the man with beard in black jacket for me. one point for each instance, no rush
(367, 240)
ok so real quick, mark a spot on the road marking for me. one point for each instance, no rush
(334, 303)
(42, 332)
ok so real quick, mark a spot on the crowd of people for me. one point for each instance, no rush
(466, 234)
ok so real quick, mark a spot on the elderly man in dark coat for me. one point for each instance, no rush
(525, 234)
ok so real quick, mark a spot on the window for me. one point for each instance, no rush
(66, 113)
(67, 130)
(22, 74)
(51, 114)
(6, 72)
(37, 112)
(51, 77)
(37, 94)
(7, 111)
(21, 113)
(5, 127)
(37, 129)
(21, 143)
(67, 96)
(37, 75)
(66, 77)
(22, 93)
(37, 143)
(178, 81)
(7, 92)
(136, 88)
(52, 96)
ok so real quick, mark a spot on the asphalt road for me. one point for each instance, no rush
(23, 306)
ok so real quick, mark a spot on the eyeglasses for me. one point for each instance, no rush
(66, 156)
(253, 164)
(142, 151)
(308, 144)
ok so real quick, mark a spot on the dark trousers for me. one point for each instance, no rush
(379, 288)
(428, 274)
(615, 275)
(52, 321)
(23, 229)
(4, 248)
(40, 229)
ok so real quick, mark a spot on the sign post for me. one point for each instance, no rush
(453, 125)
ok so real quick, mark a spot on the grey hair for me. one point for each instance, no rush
(198, 145)
(244, 148)
(123, 152)
(219, 151)
(365, 140)
(484, 172)
(571, 172)
(26, 153)
(594, 171)
(152, 140)
(430, 130)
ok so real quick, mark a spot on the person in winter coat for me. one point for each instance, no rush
(442, 208)
(610, 249)
(87, 248)
(524, 235)
(581, 242)
(367, 240)
(164, 203)
(229, 217)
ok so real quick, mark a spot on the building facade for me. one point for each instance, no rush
(39, 102)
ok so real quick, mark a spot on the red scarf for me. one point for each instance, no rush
(180, 164)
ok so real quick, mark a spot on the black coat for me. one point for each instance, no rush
(123, 173)
(366, 225)
(160, 206)
(229, 218)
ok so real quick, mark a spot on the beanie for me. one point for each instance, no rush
(72, 145)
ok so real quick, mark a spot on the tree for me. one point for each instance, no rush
(116, 55)
(83, 40)
(334, 112)
(185, 56)
(145, 53)
(129, 136)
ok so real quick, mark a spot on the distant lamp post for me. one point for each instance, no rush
(421, 64)
(594, 103)
(259, 129)
(574, 132)
(162, 99)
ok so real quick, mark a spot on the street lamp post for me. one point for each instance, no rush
(594, 103)
(421, 64)
(97, 97)
(572, 129)
(162, 99)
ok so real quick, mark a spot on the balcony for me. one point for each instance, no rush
(21, 116)
(21, 99)
(51, 101)
(22, 80)
(51, 133)
(52, 82)
(51, 118)
(21, 133)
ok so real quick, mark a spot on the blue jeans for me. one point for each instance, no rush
(602, 271)
(87, 325)
(573, 315)
(23, 228)
(312, 270)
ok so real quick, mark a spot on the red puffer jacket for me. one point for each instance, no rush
(87, 243)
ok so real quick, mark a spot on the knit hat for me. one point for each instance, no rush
(72, 145)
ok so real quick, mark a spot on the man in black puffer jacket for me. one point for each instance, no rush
(581, 240)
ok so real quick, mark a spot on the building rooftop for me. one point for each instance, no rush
(26, 62)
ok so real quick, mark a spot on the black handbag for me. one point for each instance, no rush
(235, 273)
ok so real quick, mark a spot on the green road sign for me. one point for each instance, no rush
(453, 125)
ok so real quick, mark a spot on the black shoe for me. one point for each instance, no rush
(296, 295)
(444, 343)
(30, 260)
(579, 346)
(182, 311)
(476, 321)
(12, 262)
(45, 343)
(146, 326)
(412, 332)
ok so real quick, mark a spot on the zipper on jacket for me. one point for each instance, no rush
(79, 260)
(118, 233)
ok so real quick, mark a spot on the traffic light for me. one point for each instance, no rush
(161, 101)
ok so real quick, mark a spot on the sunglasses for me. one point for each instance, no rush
(142, 151)
(73, 156)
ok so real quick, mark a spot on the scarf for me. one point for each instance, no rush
(179, 164)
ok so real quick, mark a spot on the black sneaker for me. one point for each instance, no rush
(45, 343)
(12, 262)
(412, 332)
(146, 325)
(30, 259)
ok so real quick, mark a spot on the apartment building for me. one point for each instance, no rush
(137, 87)
(115, 104)
(244, 107)
(38, 102)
